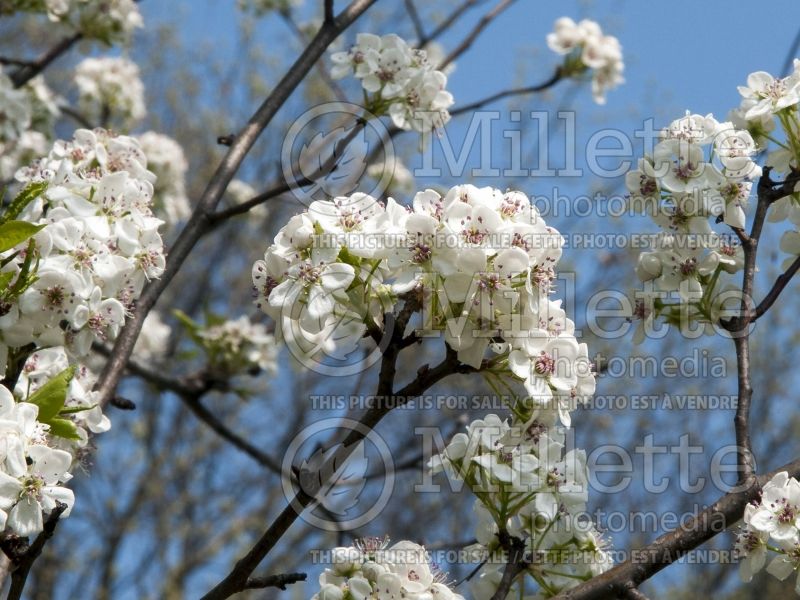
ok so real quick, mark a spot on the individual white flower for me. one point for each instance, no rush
(750, 547)
(771, 95)
(778, 514)
(26, 495)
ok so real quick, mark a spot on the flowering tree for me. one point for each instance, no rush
(100, 222)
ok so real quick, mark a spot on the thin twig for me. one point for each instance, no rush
(533, 89)
(780, 284)
(279, 581)
(476, 31)
(25, 73)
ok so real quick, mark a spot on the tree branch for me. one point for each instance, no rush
(426, 377)
(780, 284)
(25, 73)
(22, 557)
(326, 167)
(279, 581)
(647, 561)
(554, 79)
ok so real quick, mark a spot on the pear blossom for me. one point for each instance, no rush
(110, 84)
(401, 81)
(586, 47)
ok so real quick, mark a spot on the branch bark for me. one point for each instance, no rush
(25, 73)
(649, 560)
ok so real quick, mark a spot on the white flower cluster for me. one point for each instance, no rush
(79, 242)
(154, 338)
(29, 115)
(109, 21)
(530, 489)
(98, 246)
(16, 111)
(586, 47)
(31, 472)
(399, 80)
(45, 364)
(239, 345)
(166, 159)
(701, 170)
(771, 524)
(769, 103)
(110, 87)
(371, 570)
(483, 261)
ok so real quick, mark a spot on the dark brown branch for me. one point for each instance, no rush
(647, 561)
(279, 581)
(200, 221)
(780, 284)
(22, 557)
(516, 564)
(633, 594)
(328, 11)
(25, 73)
(426, 377)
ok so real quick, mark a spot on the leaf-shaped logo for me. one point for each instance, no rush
(320, 161)
(335, 485)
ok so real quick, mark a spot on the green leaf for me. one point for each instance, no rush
(51, 396)
(64, 428)
(28, 194)
(26, 278)
(16, 232)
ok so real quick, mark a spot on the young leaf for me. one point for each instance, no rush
(25, 197)
(51, 396)
(64, 428)
(16, 232)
